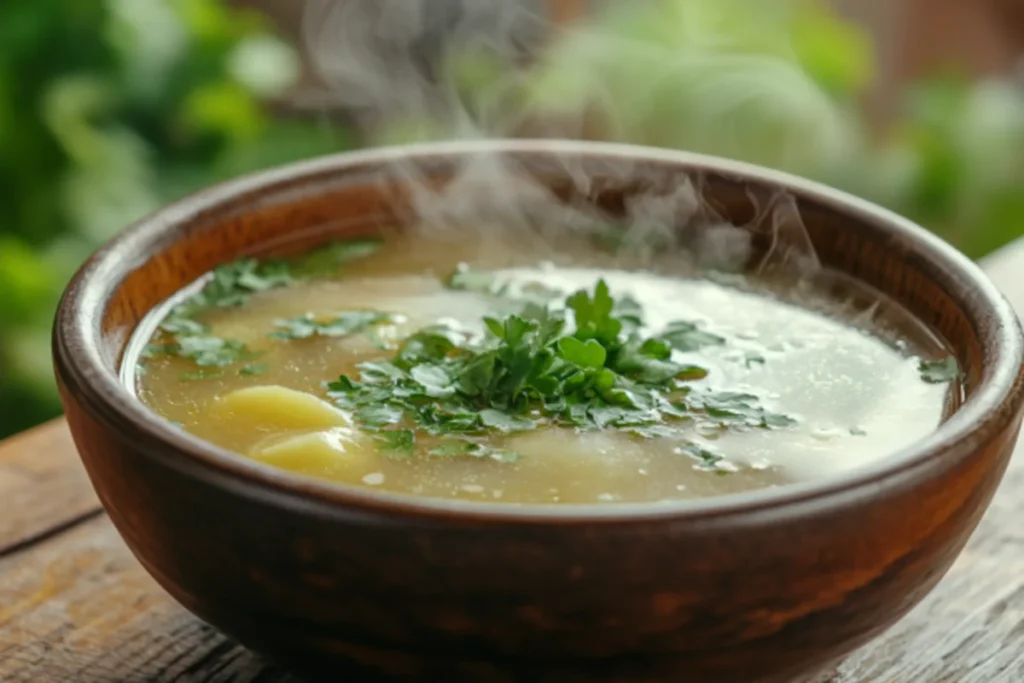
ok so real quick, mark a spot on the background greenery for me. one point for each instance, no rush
(110, 108)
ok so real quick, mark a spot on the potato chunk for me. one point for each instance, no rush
(279, 408)
(328, 453)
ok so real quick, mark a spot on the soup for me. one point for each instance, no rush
(396, 366)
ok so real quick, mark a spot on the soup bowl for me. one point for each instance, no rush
(334, 581)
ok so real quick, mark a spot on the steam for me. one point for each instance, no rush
(461, 70)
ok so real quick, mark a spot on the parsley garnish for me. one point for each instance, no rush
(253, 369)
(586, 366)
(939, 371)
(340, 325)
(488, 284)
(464, 447)
(230, 286)
(183, 333)
(686, 336)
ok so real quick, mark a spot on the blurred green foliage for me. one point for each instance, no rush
(780, 82)
(109, 108)
(775, 82)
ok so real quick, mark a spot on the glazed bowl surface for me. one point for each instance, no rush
(769, 586)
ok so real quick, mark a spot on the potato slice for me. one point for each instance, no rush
(279, 408)
(328, 453)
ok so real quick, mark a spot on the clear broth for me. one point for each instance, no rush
(855, 389)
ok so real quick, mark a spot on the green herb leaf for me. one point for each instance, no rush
(503, 422)
(213, 351)
(380, 415)
(708, 460)
(342, 324)
(737, 409)
(183, 334)
(399, 443)
(593, 315)
(589, 354)
(434, 379)
(687, 336)
(527, 371)
(647, 361)
(253, 369)
(455, 448)
(939, 371)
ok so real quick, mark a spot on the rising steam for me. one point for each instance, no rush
(480, 69)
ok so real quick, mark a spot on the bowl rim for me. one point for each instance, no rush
(79, 362)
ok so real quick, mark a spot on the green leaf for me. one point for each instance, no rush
(503, 422)
(455, 448)
(589, 354)
(528, 372)
(430, 345)
(593, 315)
(342, 324)
(496, 328)
(213, 351)
(399, 443)
(381, 371)
(737, 409)
(434, 379)
(253, 369)
(687, 336)
(647, 362)
(380, 414)
(656, 431)
(478, 374)
(939, 371)
(708, 459)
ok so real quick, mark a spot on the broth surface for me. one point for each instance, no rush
(857, 396)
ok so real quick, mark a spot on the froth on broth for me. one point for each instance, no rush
(725, 387)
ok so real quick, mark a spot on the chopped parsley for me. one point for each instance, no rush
(487, 283)
(585, 366)
(230, 286)
(340, 325)
(939, 371)
(184, 333)
(253, 369)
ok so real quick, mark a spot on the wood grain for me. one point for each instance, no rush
(80, 608)
(43, 486)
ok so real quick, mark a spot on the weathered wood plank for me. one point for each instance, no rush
(43, 487)
(80, 608)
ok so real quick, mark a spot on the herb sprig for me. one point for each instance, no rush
(940, 371)
(185, 334)
(586, 366)
(343, 324)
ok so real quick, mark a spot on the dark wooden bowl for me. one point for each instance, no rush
(769, 586)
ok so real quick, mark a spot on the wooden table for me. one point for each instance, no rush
(75, 606)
